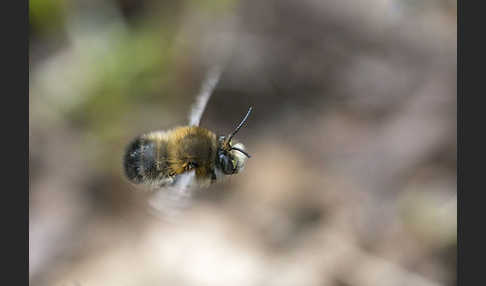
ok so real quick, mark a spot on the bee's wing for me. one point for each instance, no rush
(171, 200)
(202, 98)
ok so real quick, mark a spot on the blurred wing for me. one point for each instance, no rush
(169, 201)
(210, 82)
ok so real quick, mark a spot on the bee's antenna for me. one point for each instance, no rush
(238, 149)
(239, 125)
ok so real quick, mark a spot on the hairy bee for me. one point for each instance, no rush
(156, 159)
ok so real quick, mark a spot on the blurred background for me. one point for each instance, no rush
(352, 179)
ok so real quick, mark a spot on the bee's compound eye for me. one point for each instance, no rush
(225, 164)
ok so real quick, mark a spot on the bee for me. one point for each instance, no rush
(156, 159)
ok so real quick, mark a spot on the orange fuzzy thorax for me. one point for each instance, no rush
(192, 147)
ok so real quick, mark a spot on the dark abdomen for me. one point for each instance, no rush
(145, 159)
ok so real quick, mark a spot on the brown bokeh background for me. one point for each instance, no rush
(352, 179)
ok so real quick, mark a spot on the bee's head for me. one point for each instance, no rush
(231, 156)
(232, 159)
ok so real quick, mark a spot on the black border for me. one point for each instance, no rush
(15, 136)
(470, 183)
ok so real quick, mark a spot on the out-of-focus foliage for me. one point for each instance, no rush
(352, 178)
(46, 15)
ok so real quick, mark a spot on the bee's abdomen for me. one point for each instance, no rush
(145, 160)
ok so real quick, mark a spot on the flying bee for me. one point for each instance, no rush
(156, 159)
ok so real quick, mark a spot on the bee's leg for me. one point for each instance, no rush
(188, 166)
